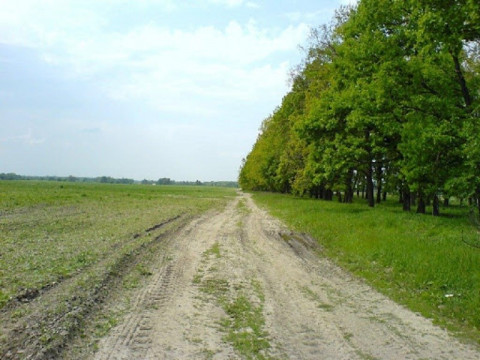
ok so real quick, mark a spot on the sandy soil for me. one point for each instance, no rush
(311, 308)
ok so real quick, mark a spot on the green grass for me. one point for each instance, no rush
(245, 322)
(214, 250)
(418, 260)
(243, 304)
(242, 207)
(50, 231)
(244, 327)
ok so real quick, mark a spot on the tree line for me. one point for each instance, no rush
(111, 180)
(168, 181)
(385, 102)
(70, 178)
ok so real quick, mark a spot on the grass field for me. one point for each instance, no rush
(427, 263)
(50, 231)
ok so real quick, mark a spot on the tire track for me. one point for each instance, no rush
(137, 337)
(312, 308)
(134, 336)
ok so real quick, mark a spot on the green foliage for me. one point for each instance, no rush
(388, 98)
(278, 154)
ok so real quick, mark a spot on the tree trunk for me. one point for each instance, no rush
(339, 196)
(328, 195)
(370, 195)
(349, 184)
(461, 81)
(420, 203)
(406, 198)
(436, 206)
(355, 186)
(379, 174)
(379, 193)
(477, 192)
(446, 202)
(384, 196)
(349, 196)
(413, 199)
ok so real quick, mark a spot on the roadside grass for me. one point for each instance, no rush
(420, 261)
(50, 231)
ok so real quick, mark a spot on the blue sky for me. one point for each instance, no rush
(144, 89)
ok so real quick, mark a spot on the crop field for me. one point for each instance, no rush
(70, 239)
(430, 264)
(50, 231)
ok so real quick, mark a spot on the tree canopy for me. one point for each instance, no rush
(386, 101)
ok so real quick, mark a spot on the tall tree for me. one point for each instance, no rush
(388, 96)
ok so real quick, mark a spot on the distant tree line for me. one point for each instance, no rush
(71, 178)
(168, 181)
(386, 101)
(111, 180)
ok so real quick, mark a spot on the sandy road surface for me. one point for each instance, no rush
(307, 307)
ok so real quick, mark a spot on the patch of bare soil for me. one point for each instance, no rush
(238, 284)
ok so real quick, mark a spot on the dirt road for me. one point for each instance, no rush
(238, 284)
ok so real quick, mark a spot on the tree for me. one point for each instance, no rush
(388, 97)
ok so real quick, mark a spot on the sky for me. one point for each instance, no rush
(144, 89)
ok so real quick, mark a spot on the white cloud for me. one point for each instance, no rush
(229, 3)
(26, 139)
(165, 67)
(348, 2)
(235, 3)
(252, 5)
(193, 88)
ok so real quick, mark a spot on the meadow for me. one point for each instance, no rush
(429, 264)
(51, 231)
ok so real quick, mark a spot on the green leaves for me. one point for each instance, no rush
(390, 92)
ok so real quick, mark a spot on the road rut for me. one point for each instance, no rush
(304, 306)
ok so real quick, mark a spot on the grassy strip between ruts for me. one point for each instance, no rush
(244, 322)
(423, 262)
